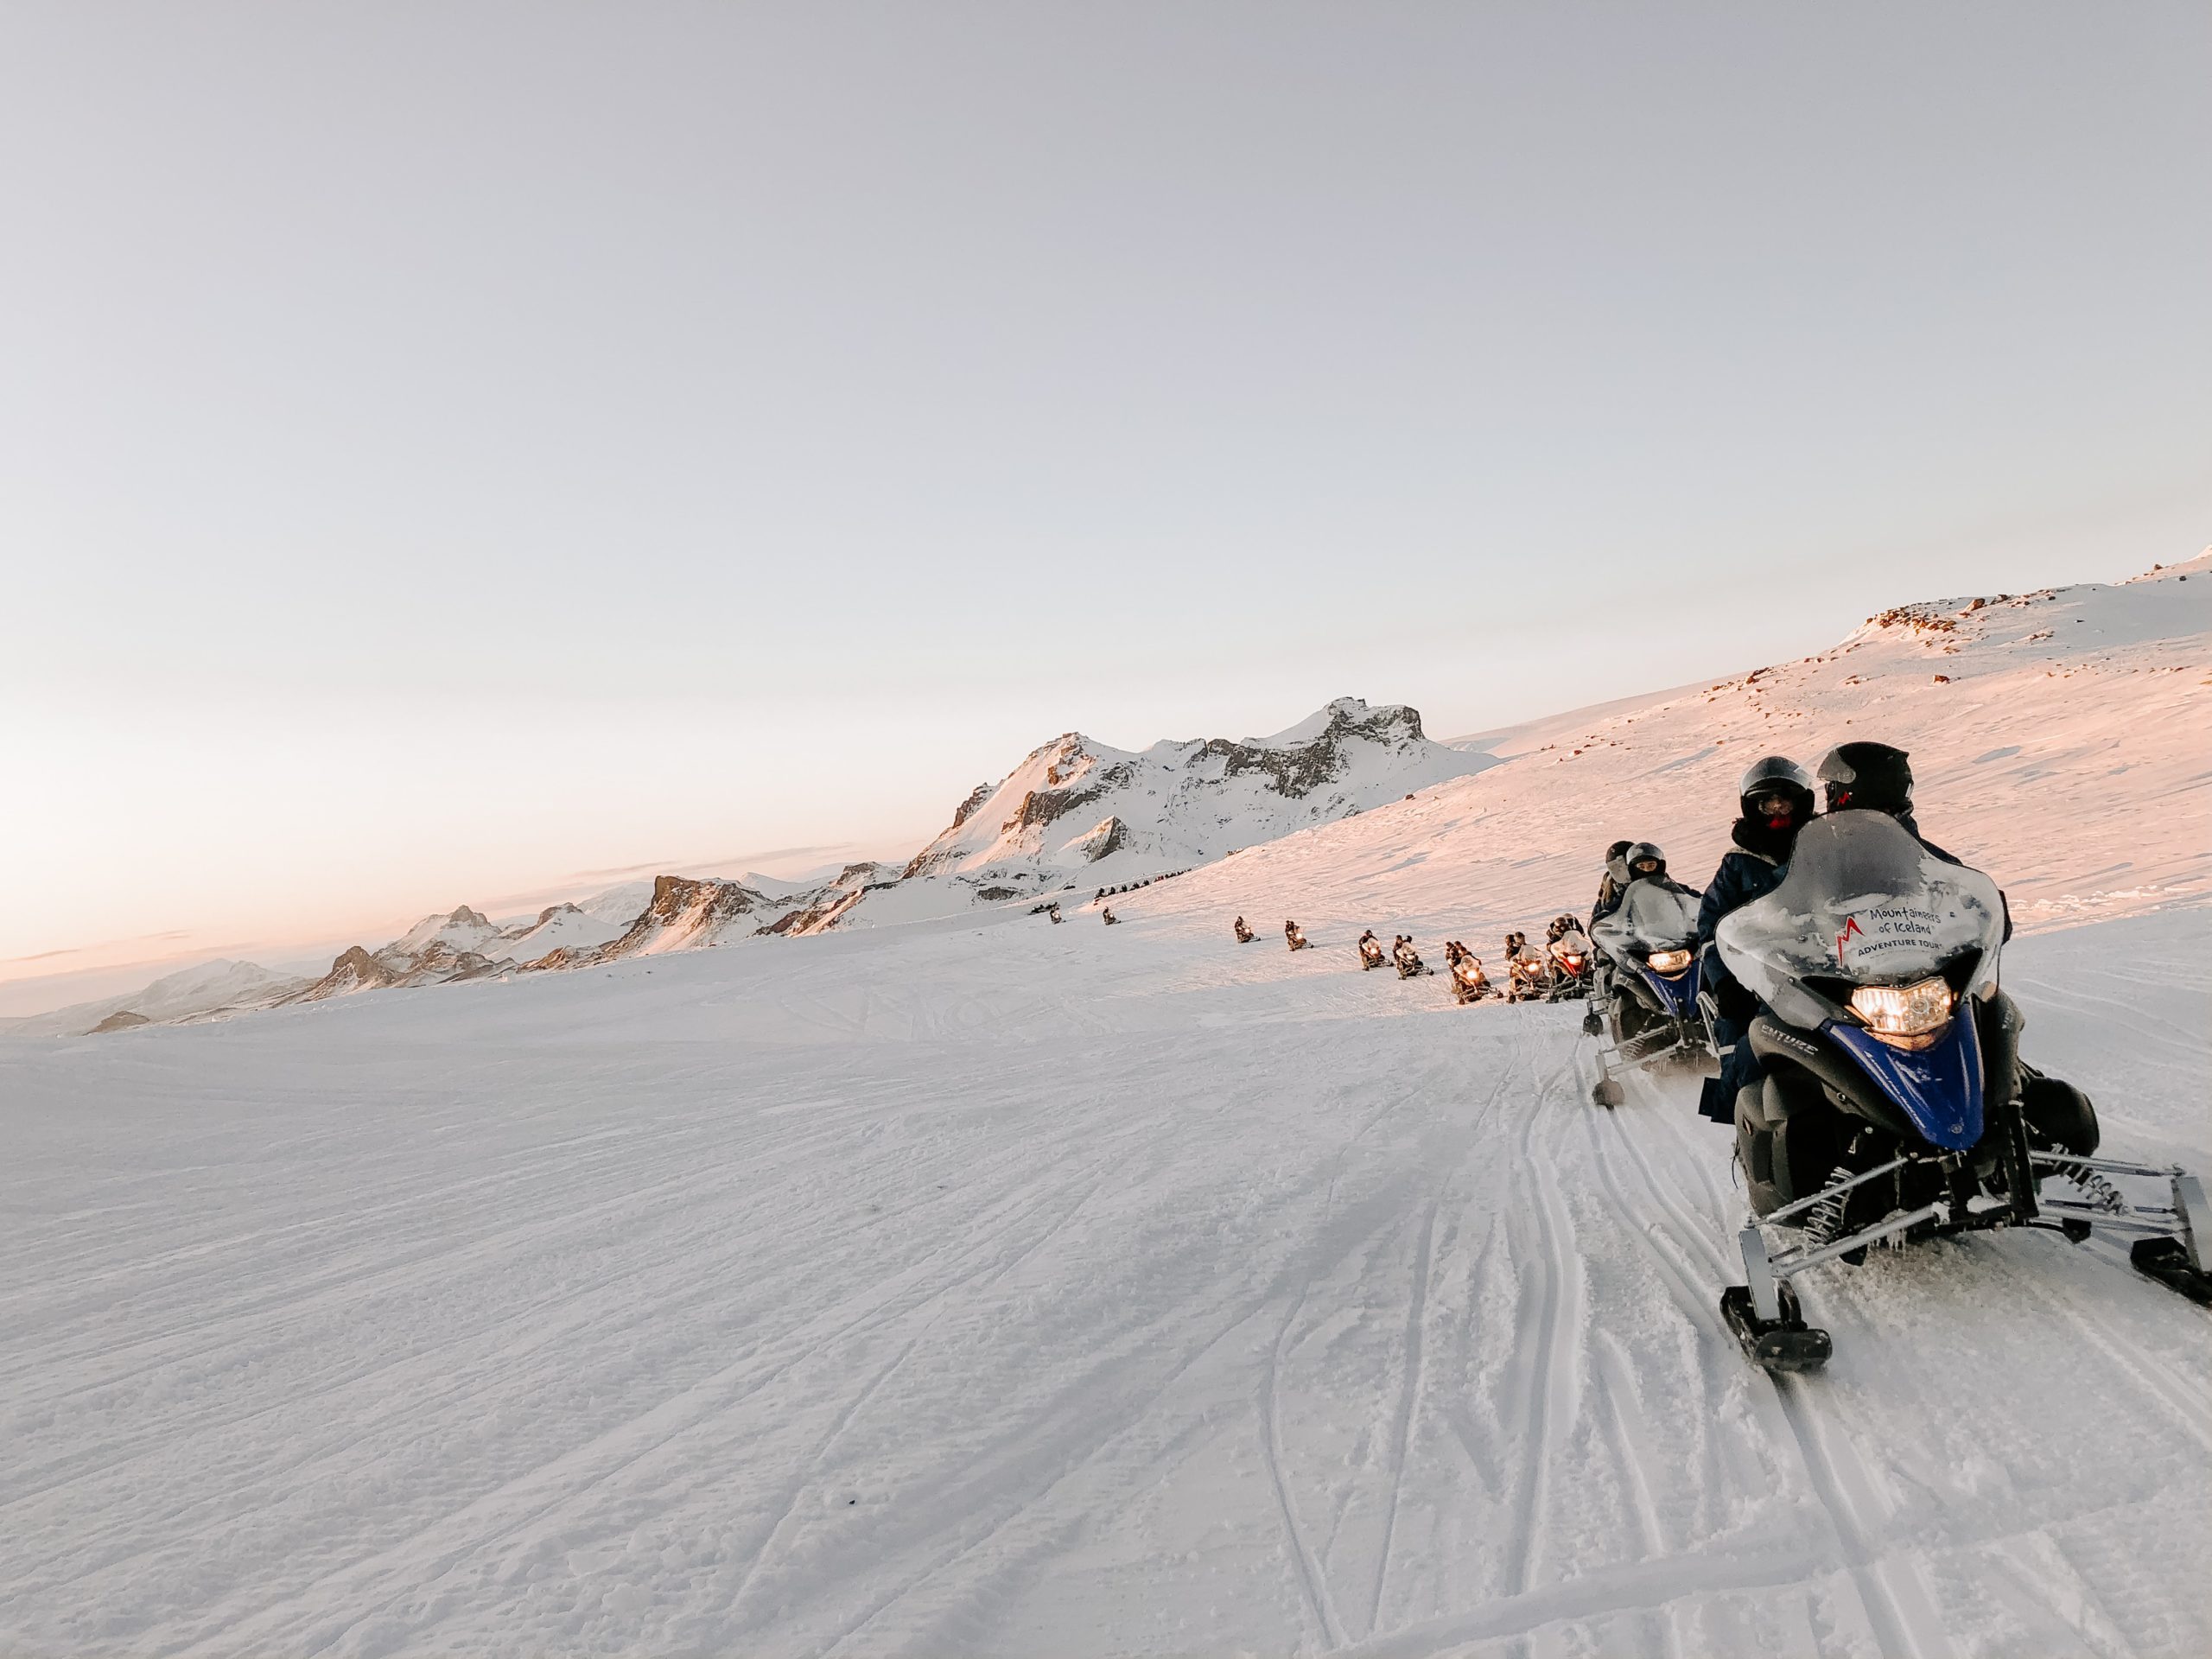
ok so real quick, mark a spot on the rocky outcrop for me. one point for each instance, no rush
(1297, 770)
(354, 969)
(1104, 840)
(436, 963)
(120, 1020)
(977, 796)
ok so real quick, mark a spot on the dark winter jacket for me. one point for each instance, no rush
(1752, 871)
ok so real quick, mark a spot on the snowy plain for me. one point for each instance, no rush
(978, 1285)
(1013, 1288)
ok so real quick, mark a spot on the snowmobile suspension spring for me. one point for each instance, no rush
(2102, 1193)
(1824, 1221)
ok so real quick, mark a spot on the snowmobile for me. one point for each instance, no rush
(1468, 983)
(1294, 935)
(1112, 920)
(1528, 975)
(1408, 959)
(1648, 994)
(1244, 935)
(1894, 1106)
(1569, 950)
(1371, 950)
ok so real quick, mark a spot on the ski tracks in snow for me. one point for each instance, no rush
(961, 1305)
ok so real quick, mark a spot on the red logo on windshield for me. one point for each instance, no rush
(1850, 931)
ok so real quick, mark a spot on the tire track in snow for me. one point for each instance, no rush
(700, 1274)
(1408, 1403)
(1714, 1348)
(2186, 1400)
(1483, 1458)
(1552, 1386)
(1312, 1576)
(1127, 1423)
(1896, 1603)
(682, 1409)
(798, 1487)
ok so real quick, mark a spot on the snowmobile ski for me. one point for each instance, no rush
(1786, 1344)
(2167, 1260)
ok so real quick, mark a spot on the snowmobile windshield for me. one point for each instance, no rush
(1862, 901)
(1651, 917)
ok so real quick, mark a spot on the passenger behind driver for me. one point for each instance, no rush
(1774, 800)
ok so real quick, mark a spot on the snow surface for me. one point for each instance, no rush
(1010, 1288)
(981, 1286)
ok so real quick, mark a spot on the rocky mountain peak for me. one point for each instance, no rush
(977, 796)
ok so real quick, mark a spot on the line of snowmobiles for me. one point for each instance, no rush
(1893, 1105)
(1562, 970)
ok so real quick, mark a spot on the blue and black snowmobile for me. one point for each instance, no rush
(1645, 1001)
(1894, 1106)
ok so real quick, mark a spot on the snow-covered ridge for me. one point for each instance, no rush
(2058, 740)
(1076, 812)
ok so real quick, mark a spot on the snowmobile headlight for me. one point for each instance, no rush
(1572, 960)
(1905, 1016)
(1669, 962)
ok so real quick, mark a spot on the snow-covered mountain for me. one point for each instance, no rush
(206, 988)
(691, 913)
(560, 927)
(465, 929)
(2058, 740)
(1077, 813)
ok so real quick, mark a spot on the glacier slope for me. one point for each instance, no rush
(995, 1288)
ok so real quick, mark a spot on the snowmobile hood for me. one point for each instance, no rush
(1938, 1087)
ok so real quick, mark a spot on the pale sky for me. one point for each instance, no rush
(450, 450)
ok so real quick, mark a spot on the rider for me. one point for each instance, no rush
(1774, 801)
(1614, 884)
(1870, 777)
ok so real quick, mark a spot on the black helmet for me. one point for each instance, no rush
(1639, 853)
(1777, 774)
(1870, 776)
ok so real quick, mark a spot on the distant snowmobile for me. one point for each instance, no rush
(1244, 935)
(1408, 959)
(1894, 1106)
(1054, 911)
(1468, 983)
(1648, 992)
(1293, 937)
(1112, 920)
(1371, 950)
(1569, 947)
(1528, 972)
